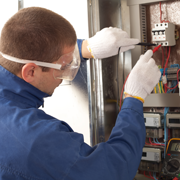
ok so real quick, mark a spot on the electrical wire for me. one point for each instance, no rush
(150, 175)
(159, 88)
(156, 48)
(155, 90)
(154, 176)
(147, 176)
(161, 14)
(176, 84)
(162, 87)
(173, 85)
(156, 144)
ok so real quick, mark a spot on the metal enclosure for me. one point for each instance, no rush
(106, 76)
(137, 21)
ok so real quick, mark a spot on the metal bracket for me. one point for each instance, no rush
(132, 2)
(20, 4)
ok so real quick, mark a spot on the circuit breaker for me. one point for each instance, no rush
(164, 34)
(153, 120)
(152, 154)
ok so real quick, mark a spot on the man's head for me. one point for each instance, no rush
(35, 34)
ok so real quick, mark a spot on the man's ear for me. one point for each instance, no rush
(29, 71)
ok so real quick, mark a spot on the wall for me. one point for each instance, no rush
(70, 100)
(7, 10)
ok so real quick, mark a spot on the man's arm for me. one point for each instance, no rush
(84, 50)
(119, 157)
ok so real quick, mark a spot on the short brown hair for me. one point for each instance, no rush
(35, 34)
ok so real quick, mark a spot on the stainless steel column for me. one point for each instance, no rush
(103, 74)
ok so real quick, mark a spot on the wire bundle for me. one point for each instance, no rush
(150, 176)
(155, 143)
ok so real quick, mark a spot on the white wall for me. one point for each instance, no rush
(75, 11)
(7, 9)
(63, 104)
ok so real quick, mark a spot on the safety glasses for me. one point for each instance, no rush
(65, 68)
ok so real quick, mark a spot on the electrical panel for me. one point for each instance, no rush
(161, 110)
(164, 34)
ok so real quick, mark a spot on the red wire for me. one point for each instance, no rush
(175, 178)
(177, 80)
(155, 143)
(161, 15)
(165, 21)
(156, 48)
(147, 176)
(147, 143)
(150, 175)
(167, 60)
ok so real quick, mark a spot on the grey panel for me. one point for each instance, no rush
(134, 2)
(103, 74)
(136, 31)
(162, 100)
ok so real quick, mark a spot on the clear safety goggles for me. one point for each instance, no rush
(65, 68)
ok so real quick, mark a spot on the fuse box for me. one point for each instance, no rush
(164, 34)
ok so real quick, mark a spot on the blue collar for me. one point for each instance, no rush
(18, 90)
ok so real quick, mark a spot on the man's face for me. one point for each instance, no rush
(46, 81)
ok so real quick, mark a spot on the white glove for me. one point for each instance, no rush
(107, 42)
(143, 77)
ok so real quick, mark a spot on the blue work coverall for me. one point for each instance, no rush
(36, 146)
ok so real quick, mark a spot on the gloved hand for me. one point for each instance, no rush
(143, 77)
(107, 42)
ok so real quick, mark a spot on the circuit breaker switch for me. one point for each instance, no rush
(153, 120)
(164, 34)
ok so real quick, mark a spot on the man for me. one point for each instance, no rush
(39, 50)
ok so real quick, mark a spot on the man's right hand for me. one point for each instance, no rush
(143, 77)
